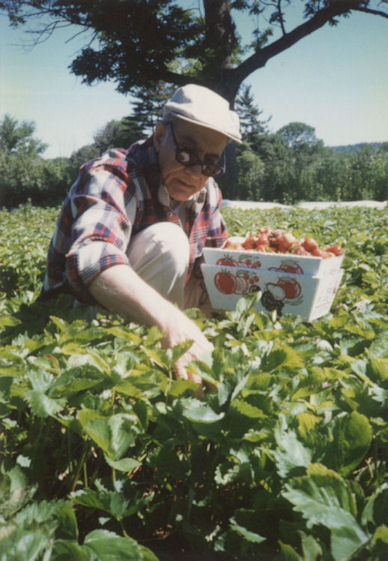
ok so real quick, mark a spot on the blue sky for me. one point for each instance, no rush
(335, 80)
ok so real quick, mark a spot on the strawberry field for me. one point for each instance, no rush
(104, 456)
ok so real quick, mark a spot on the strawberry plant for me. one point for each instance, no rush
(104, 455)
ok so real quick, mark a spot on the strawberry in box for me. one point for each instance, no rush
(294, 275)
(267, 240)
(276, 250)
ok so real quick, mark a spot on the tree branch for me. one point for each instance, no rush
(177, 79)
(261, 56)
(373, 12)
(281, 19)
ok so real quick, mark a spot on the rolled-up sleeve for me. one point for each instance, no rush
(100, 230)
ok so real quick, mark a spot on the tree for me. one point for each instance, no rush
(251, 173)
(23, 173)
(251, 124)
(148, 108)
(299, 136)
(138, 43)
(277, 179)
(17, 138)
(118, 134)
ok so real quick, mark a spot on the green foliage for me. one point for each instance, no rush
(252, 126)
(16, 138)
(306, 171)
(299, 136)
(101, 449)
(148, 104)
(293, 165)
(250, 171)
(118, 134)
(137, 44)
(289, 166)
(23, 174)
(23, 253)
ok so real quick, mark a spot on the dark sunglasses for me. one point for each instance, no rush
(188, 159)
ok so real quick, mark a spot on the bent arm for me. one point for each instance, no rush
(121, 290)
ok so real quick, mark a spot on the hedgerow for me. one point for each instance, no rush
(104, 455)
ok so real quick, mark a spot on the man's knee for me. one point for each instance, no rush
(164, 244)
(160, 255)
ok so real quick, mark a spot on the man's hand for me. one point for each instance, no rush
(184, 329)
(121, 290)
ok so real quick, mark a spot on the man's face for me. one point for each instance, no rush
(181, 181)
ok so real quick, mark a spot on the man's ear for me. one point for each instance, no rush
(160, 131)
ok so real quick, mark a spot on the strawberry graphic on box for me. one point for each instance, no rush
(285, 289)
(288, 267)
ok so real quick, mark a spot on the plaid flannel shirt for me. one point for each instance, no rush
(114, 197)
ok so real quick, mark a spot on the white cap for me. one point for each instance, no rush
(205, 108)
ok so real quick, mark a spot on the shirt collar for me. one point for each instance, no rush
(195, 202)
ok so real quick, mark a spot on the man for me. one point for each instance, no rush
(131, 230)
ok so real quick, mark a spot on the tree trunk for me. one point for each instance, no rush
(221, 40)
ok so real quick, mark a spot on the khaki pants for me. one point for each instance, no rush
(160, 256)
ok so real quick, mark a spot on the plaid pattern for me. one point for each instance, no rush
(114, 197)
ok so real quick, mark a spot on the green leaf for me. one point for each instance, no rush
(107, 546)
(381, 534)
(40, 379)
(5, 386)
(125, 464)
(352, 437)
(25, 543)
(377, 370)
(248, 410)
(307, 423)
(290, 452)
(251, 537)
(289, 553)
(76, 380)
(345, 541)
(181, 386)
(196, 411)
(286, 357)
(312, 551)
(14, 493)
(125, 333)
(9, 321)
(68, 528)
(147, 554)
(111, 502)
(323, 498)
(42, 405)
(64, 549)
(379, 347)
(85, 360)
(376, 507)
(112, 434)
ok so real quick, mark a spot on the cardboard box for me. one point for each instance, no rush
(278, 262)
(306, 295)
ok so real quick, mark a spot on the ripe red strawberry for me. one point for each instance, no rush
(310, 244)
(320, 253)
(335, 249)
(288, 240)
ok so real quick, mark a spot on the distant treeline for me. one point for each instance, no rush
(359, 146)
(288, 166)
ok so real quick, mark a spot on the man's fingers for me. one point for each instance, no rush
(180, 371)
(183, 372)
